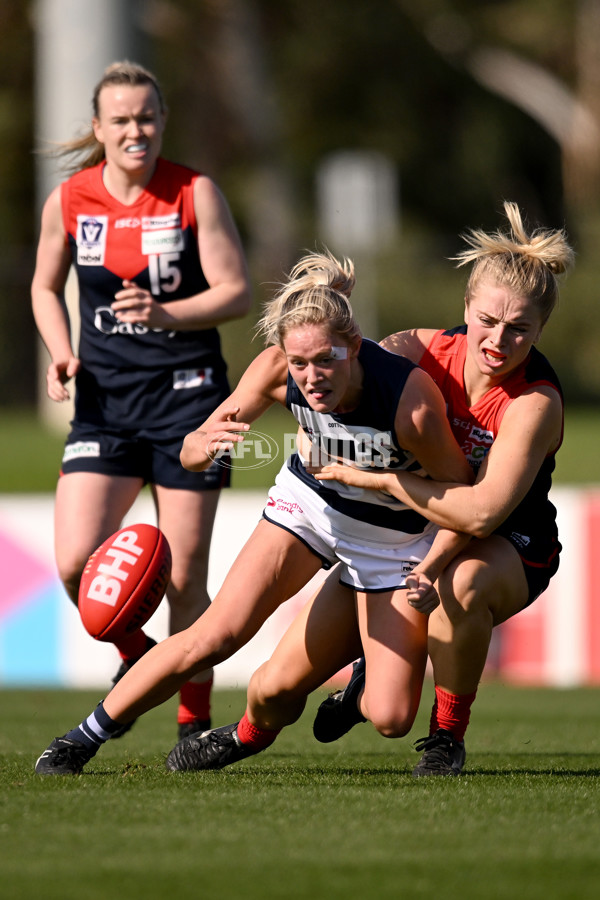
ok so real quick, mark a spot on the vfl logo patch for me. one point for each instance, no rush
(91, 239)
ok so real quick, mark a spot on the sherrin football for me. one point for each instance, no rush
(124, 581)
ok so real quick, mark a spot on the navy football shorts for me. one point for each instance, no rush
(150, 454)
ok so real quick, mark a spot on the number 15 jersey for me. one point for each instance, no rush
(133, 376)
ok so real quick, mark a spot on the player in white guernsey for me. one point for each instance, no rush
(354, 401)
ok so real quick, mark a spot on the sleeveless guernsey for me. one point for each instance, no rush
(133, 376)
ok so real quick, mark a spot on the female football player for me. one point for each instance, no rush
(159, 266)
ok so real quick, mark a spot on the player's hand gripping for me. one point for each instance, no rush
(421, 593)
(137, 305)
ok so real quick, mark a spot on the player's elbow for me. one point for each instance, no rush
(483, 523)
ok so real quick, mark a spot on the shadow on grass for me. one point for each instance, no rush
(290, 770)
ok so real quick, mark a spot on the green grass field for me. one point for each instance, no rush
(305, 820)
(30, 454)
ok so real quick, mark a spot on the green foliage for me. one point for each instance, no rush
(260, 93)
(305, 820)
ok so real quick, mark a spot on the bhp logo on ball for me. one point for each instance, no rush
(105, 587)
(256, 450)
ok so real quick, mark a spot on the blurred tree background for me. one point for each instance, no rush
(470, 101)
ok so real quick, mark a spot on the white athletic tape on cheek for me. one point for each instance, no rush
(339, 352)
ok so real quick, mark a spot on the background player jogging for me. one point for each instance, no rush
(159, 266)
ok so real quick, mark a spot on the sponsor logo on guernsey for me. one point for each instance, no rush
(521, 540)
(191, 378)
(81, 450)
(91, 239)
(128, 222)
(161, 234)
(157, 223)
(477, 445)
(480, 434)
(106, 322)
(167, 241)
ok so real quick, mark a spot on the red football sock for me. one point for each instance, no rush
(255, 737)
(451, 712)
(194, 702)
(132, 646)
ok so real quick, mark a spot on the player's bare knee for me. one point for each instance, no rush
(393, 722)
(462, 592)
(391, 719)
(393, 726)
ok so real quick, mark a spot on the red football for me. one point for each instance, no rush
(124, 581)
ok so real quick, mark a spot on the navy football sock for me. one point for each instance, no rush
(95, 730)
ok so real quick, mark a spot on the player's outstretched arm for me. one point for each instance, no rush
(262, 384)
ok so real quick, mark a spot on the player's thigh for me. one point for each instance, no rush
(186, 518)
(321, 640)
(271, 567)
(394, 639)
(487, 576)
(89, 507)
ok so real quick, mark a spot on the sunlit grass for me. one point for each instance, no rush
(305, 820)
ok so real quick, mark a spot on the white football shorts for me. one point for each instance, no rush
(372, 558)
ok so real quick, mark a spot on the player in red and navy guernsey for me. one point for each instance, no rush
(505, 408)
(159, 266)
(531, 526)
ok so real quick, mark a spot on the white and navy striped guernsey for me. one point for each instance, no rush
(364, 438)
